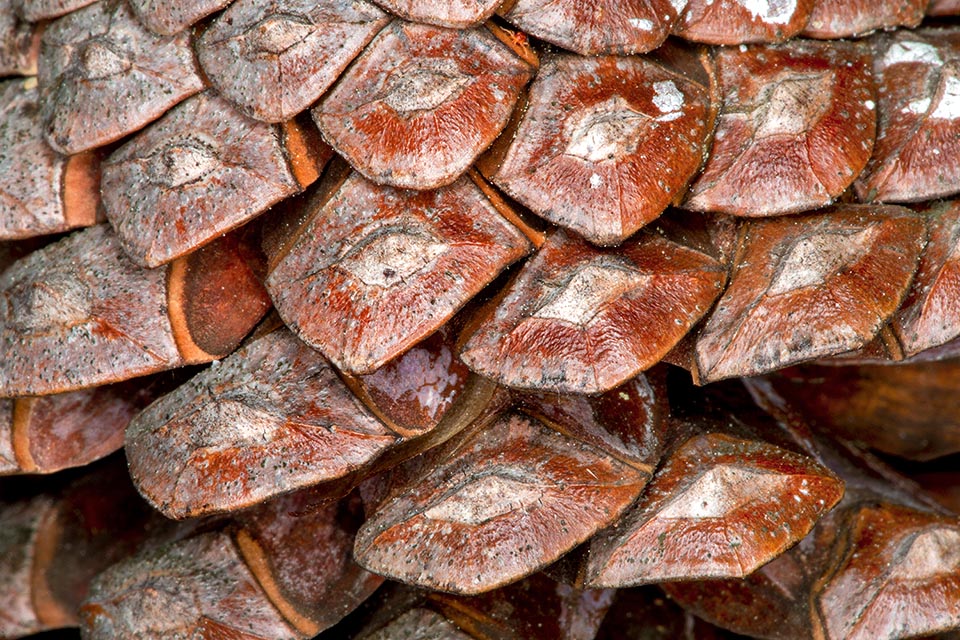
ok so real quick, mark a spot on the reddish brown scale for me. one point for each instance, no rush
(512, 485)
(930, 315)
(49, 433)
(719, 507)
(376, 270)
(194, 588)
(421, 103)
(908, 410)
(273, 60)
(743, 21)
(605, 144)
(37, 10)
(944, 8)
(41, 191)
(810, 286)
(102, 76)
(918, 80)
(456, 14)
(269, 419)
(846, 18)
(584, 320)
(592, 27)
(198, 172)
(19, 43)
(21, 524)
(797, 126)
(301, 556)
(168, 17)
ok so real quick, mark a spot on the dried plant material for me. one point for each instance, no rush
(41, 191)
(274, 59)
(421, 103)
(513, 485)
(419, 624)
(102, 76)
(584, 320)
(604, 144)
(908, 410)
(810, 286)
(19, 43)
(846, 18)
(37, 10)
(797, 126)
(457, 14)
(269, 419)
(930, 315)
(943, 8)
(719, 507)
(198, 172)
(21, 524)
(742, 21)
(301, 555)
(596, 27)
(198, 587)
(897, 575)
(918, 117)
(376, 270)
(169, 17)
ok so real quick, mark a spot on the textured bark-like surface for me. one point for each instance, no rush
(194, 588)
(51, 433)
(421, 103)
(930, 314)
(168, 17)
(413, 392)
(918, 81)
(198, 172)
(269, 419)
(604, 144)
(797, 126)
(742, 21)
(513, 485)
(897, 576)
(908, 410)
(419, 624)
(457, 14)
(9, 461)
(301, 554)
(584, 320)
(20, 526)
(274, 59)
(19, 43)
(79, 313)
(718, 507)
(944, 8)
(592, 27)
(37, 10)
(40, 191)
(846, 18)
(103, 76)
(536, 608)
(810, 286)
(376, 270)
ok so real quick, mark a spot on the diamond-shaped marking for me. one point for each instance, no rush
(387, 259)
(589, 291)
(610, 130)
(813, 259)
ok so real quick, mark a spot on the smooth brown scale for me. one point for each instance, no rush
(808, 287)
(168, 17)
(796, 128)
(102, 76)
(606, 144)
(41, 192)
(269, 419)
(274, 60)
(944, 8)
(198, 172)
(198, 587)
(37, 10)
(509, 484)
(376, 269)
(591, 27)
(19, 43)
(421, 103)
(20, 526)
(456, 14)
(918, 82)
(850, 18)
(743, 21)
(645, 612)
(584, 320)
